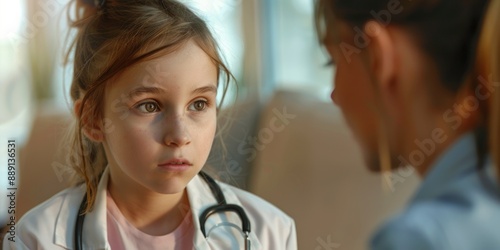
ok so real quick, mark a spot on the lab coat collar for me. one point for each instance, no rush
(457, 162)
(95, 227)
(94, 234)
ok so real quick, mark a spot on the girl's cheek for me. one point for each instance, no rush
(208, 116)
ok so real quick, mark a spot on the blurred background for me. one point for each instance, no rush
(310, 166)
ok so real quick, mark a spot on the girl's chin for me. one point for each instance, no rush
(171, 186)
(170, 190)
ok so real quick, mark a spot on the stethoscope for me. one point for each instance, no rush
(221, 206)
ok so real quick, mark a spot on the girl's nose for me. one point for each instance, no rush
(177, 134)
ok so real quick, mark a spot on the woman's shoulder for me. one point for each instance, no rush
(445, 223)
(413, 229)
(463, 212)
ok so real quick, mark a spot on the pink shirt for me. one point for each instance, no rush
(123, 235)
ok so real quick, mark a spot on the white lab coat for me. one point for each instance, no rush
(51, 224)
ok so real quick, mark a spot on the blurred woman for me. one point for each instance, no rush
(418, 83)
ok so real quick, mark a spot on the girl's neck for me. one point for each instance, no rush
(152, 213)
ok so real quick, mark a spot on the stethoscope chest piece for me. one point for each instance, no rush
(222, 207)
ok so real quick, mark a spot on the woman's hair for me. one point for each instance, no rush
(488, 67)
(113, 35)
(461, 37)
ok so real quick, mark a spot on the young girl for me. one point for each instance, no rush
(145, 79)
(419, 83)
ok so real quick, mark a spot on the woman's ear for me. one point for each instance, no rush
(382, 53)
(91, 126)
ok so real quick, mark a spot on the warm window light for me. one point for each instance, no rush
(13, 121)
(222, 18)
(10, 18)
(304, 6)
(218, 7)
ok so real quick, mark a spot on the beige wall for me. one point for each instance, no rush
(40, 175)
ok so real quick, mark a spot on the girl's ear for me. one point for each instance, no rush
(382, 53)
(91, 126)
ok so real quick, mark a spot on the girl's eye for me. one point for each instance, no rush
(148, 107)
(199, 105)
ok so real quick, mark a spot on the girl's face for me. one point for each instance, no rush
(160, 120)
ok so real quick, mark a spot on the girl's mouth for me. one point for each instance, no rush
(175, 164)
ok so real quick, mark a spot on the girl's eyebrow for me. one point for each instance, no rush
(154, 90)
(144, 90)
(205, 89)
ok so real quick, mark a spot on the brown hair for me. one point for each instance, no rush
(460, 36)
(113, 35)
(488, 66)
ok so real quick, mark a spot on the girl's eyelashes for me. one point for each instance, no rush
(148, 107)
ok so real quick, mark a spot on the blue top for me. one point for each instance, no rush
(452, 209)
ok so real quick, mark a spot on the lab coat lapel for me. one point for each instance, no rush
(94, 225)
(200, 198)
(66, 218)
